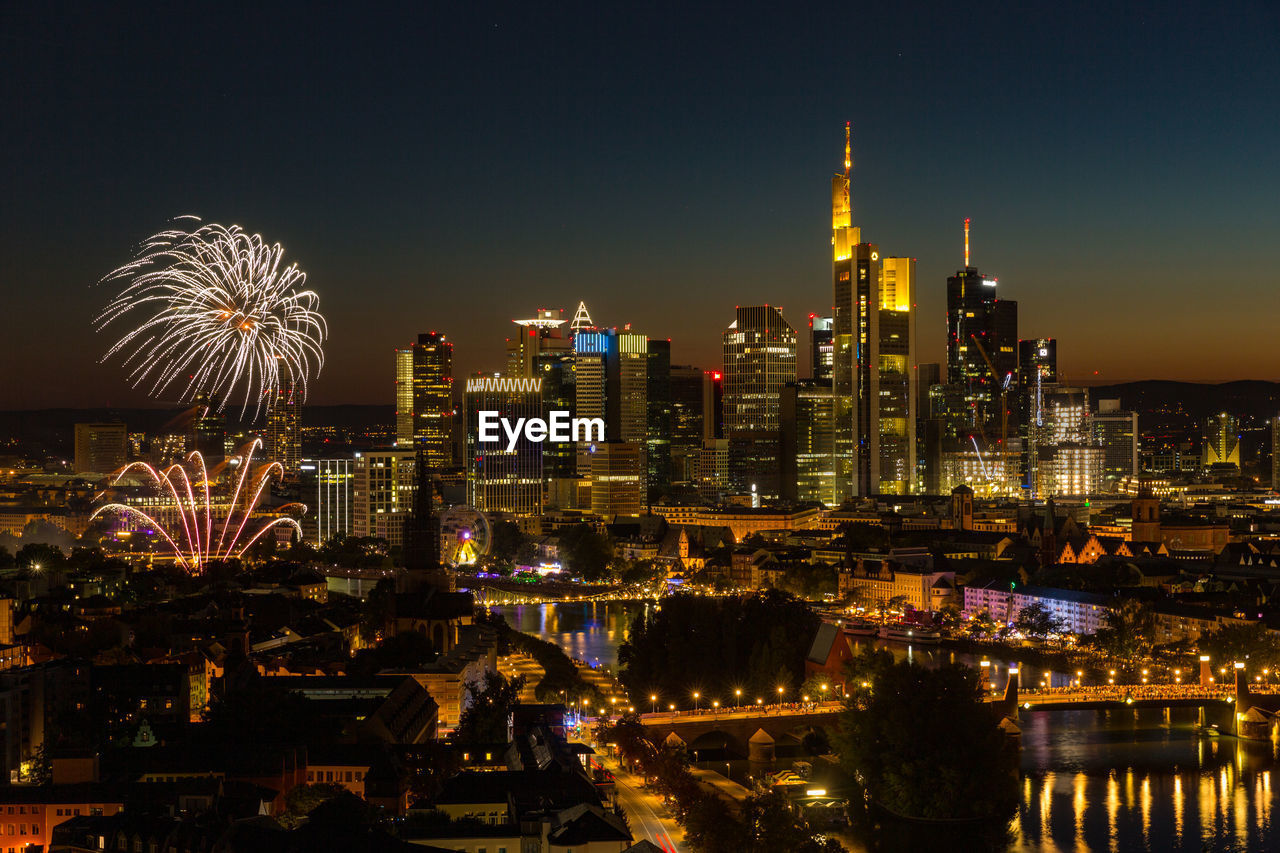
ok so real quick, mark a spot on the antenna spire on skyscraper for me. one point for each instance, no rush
(848, 152)
(581, 319)
(966, 242)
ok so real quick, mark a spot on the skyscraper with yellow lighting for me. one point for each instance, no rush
(431, 363)
(873, 355)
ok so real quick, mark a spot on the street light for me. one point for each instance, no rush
(653, 700)
(696, 697)
(738, 694)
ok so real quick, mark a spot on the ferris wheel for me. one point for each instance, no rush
(464, 535)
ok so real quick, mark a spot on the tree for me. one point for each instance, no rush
(586, 552)
(771, 824)
(506, 540)
(1035, 620)
(39, 556)
(1241, 642)
(488, 705)
(982, 625)
(948, 616)
(1128, 631)
(924, 744)
(302, 800)
(745, 643)
(816, 742)
(884, 607)
(377, 609)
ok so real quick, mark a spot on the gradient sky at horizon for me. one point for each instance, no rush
(457, 166)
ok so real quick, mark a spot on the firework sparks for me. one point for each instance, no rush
(216, 307)
(197, 538)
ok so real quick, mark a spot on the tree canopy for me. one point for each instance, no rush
(715, 646)
(924, 745)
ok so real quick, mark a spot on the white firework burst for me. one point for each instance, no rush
(215, 310)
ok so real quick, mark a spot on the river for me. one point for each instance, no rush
(1116, 780)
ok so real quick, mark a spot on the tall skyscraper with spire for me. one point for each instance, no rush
(981, 327)
(873, 356)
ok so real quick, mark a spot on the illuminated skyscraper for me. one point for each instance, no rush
(382, 493)
(283, 439)
(660, 414)
(542, 347)
(873, 353)
(404, 396)
(498, 479)
(808, 442)
(617, 479)
(1037, 359)
(1116, 432)
(1071, 470)
(208, 429)
(331, 513)
(1062, 421)
(759, 359)
(821, 350)
(100, 448)
(1221, 441)
(538, 337)
(612, 374)
(433, 398)
(980, 327)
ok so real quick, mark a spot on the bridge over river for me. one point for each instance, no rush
(734, 727)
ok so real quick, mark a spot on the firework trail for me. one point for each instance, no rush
(197, 538)
(215, 308)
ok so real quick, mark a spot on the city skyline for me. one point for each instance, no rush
(1095, 195)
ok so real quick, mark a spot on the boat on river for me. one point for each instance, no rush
(920, 634)
(860, 628)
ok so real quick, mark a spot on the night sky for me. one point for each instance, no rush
(461, 165)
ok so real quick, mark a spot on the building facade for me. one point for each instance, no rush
(282, 441)
(382, 488)
(498, 479)
(759, 359)
(100, 448)
(808, 442)
(433, 398)
(616, 479)
(333, 511)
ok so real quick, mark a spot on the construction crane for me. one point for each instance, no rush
(1003, 385)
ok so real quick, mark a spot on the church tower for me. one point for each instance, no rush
(1145, 511)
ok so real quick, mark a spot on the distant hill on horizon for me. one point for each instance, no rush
(1245, 398)
(54, 428)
